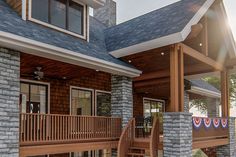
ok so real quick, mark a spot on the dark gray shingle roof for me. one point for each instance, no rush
(204, 85)
(11, 22)
(162, 22)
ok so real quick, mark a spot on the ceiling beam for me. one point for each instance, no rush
(201, 57)
(153, 82)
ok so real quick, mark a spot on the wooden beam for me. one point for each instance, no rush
(195, 31)
(205, 36)
(181, 79)
(65, 148)
(202, 58)
(153, 75)
(225, 93)
(174, 77)
(210, 143)
(153, 82)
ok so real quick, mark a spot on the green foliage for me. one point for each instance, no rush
(215, 81)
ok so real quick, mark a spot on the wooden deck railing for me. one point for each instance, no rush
(36, 129)
(209, 128)
(126, 138)
(154, 139)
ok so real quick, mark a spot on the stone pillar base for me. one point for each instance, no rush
(177, 132)
(228, 150)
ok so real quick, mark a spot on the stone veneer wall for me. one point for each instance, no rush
(186, 101)
(121, 98)
(9, 102)
(106, 14)
(177, 133)
(228, 150)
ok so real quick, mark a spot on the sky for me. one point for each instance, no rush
(128, 9)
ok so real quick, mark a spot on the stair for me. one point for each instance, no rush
(139, 148)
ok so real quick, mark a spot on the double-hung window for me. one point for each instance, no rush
(64, 15)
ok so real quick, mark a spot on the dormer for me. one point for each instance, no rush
(67, 16)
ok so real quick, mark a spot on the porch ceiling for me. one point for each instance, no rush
(51, 68)
(155, 65)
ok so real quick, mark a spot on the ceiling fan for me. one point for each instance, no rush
(38, 74)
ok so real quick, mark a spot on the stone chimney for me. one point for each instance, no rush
(107, 13)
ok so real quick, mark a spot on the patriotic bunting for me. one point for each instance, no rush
(197, 121)
(207, 122)
(216, 122)
(224, 122)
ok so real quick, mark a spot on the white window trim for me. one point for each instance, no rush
(95, 98)
(40, 83)
(157, 100)
(86, 89)
(85, 22)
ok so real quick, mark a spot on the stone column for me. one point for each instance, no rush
(177, 134)
(228, 150)
(213, 107)
(9, 102)
(121, 98)
(186, 101)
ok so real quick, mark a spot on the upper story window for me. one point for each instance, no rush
(64, 15)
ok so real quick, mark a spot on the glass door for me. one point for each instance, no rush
(81, 104)
(103, 108)
(34, 98)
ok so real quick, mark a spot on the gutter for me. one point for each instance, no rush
(204, 92)
(33, 47)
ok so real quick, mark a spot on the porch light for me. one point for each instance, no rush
(129, 61)
(97, 70)
(162, 53)
(200, 44)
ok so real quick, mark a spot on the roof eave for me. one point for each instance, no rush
(26, 45)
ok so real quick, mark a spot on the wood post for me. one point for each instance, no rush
(225, 93)
(176, 79)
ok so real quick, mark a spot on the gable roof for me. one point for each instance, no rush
(202, 87)
(168, 25)
(11, 22)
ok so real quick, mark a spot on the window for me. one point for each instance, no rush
(63, 15)
(81, 102)
(103, 100)
(153, 107)
(34, 98)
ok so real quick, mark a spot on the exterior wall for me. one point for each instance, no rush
(122, 98)
(9, 102)
(106, 14)
(60, 90)
(177, 133)
(228, 150)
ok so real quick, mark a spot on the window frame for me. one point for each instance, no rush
(155, 100)
(85, 21)
(95, 98)
(32, 82)
(82, 89)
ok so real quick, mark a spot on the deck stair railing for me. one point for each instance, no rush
(154, 139)
(36, 129)
(126, 139)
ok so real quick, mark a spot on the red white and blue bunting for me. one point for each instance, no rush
(207, 122)
(210, 122)
(197, 121)
(216, 122)
(224, 122)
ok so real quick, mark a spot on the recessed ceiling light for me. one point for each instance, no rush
(129, 61)
(64, 78)
(97, 70)
(162, 53)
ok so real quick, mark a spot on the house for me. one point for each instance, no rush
(71, 84)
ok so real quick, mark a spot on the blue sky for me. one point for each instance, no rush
(128, 9)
